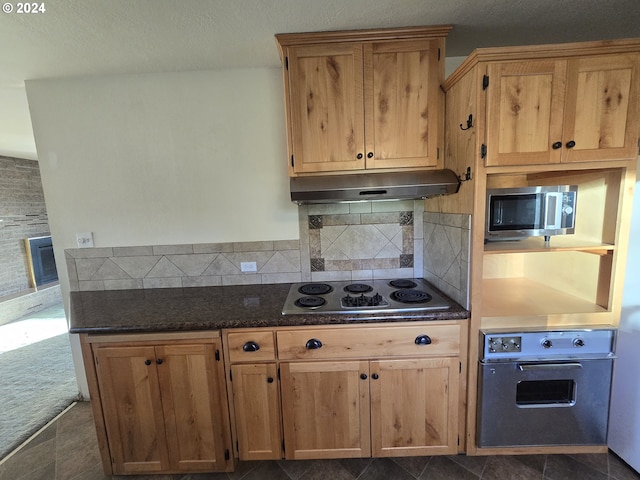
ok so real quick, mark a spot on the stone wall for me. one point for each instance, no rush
(22, 215)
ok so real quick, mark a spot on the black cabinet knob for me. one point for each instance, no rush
(375, 376)
(556, 145)
(363, 376)
(370, 155)
(159, 361)
(313, 344)
(423, 340)
(147, 362)
(359, 156)
(570, 144)
(251, 347)
(270, 380)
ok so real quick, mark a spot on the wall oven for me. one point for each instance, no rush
(544, 388)
(515, 213)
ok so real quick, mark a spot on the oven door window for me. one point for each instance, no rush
(516, 212)
(545, 393)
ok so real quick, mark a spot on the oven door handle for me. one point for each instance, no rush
(549, 366)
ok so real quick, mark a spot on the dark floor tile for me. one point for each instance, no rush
(563, 467)
(94, 472)
(619, 470)
(597, 461)
(442, 468)
(203, 476)
(510, 467)
(46, 472)
(29, 459)
(414, 465)
(355, 466)
(325, 469)
(267, 471)
(242, 468)
(384, 469)
(475, 464)
(295, 468)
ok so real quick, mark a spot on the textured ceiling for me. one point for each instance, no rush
(98, 37)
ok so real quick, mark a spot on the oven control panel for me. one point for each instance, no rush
(541, 344)
(504, 344)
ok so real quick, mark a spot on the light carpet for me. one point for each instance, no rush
(37, 382)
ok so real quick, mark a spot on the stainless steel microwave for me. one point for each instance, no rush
(515, 213)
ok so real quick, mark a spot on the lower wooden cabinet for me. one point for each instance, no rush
(341, 392)
(414, 407)
(326, 409)
(256, 402)
(160, 405)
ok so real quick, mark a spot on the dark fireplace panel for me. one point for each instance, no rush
(41, 261)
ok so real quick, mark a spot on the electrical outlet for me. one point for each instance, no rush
(84, 240)
(248, 267)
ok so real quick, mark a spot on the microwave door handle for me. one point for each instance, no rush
(556, 212)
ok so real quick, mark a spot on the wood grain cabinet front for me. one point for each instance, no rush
(254, 393)
(391, 391)
(163, 406)
(364, 100)
(562, 110)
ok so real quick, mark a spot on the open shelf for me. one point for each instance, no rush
(537, 244)
(508, 297)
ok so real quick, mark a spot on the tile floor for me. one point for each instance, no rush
(67, 450)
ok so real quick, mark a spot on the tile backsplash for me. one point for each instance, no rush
(347, 241)
(197, 265)
(446, 254)
(361, 241)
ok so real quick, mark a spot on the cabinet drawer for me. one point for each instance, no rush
(369, 342)
(256, 346)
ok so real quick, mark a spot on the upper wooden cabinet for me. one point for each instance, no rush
(364, 99)
(562, 110)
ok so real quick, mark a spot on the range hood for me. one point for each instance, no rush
(373, 186)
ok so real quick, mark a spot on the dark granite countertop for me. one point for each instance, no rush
(206, 308)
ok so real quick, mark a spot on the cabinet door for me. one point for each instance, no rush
(414, 407)
(257, 411)
(195, 409)
(403, 104)
(130, 395)
(525, 104)
(602, 108)
(326, 409)
(326, 107)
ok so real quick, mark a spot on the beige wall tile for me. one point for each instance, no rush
(392, 206)
(253, 246)
(245, 279)
(293, 277)
(172, 249)
(168, 282)
(124, 284)
(393, 273)
(202, 281)
(132, 251)
(213, 248)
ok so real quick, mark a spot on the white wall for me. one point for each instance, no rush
(193, 157)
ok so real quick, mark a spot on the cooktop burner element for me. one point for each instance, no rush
(403, 283)
(375, 296)
(310, 302)
(410, 296)
(358, 288)
(315, 289)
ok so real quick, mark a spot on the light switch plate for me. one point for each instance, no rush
(84, 239)
(248, 267)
